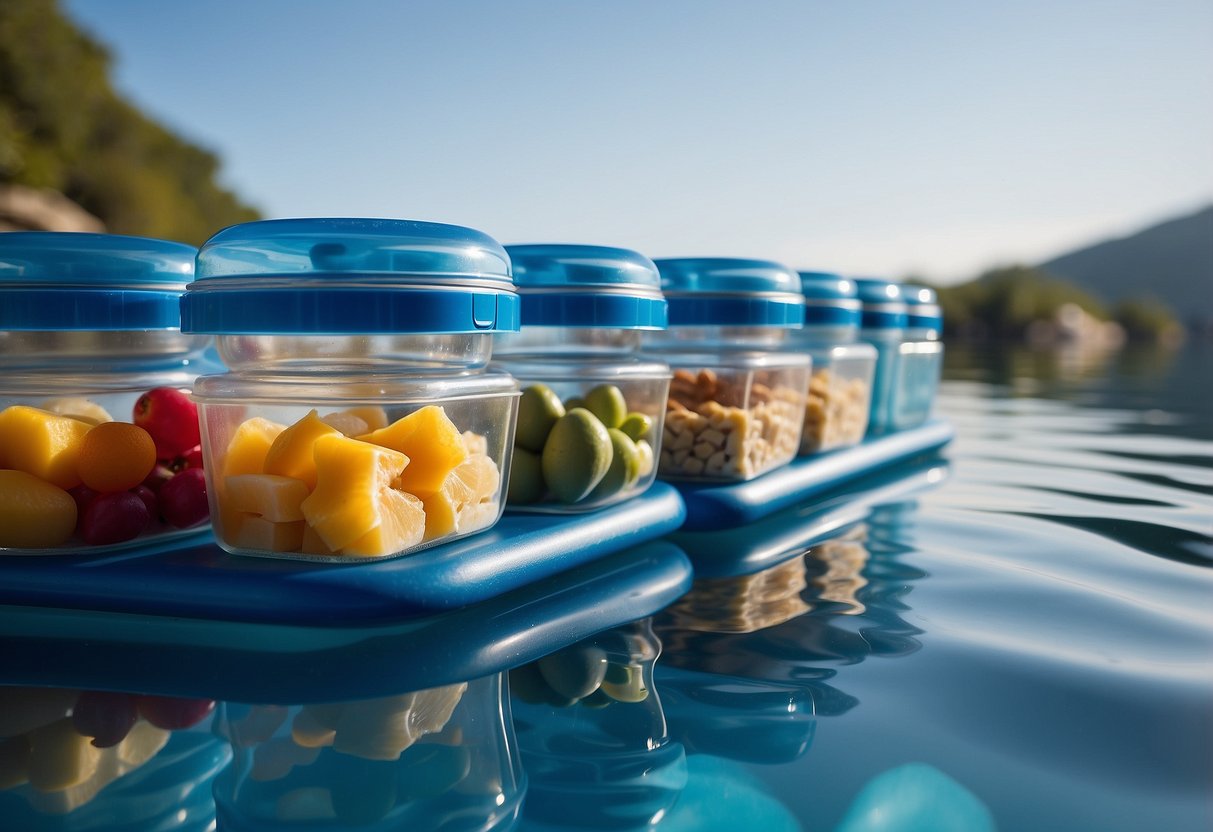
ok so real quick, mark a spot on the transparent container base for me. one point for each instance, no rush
(732, 423)
(331, 477)
(839, 400)
(916, 383)
(589, 432)
(45, 419)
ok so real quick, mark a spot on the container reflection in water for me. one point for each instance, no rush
(74, 760)
(593, 734)
(441, 758)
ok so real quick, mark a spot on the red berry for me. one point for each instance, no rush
(83, 495)
(171, 417)
(113, 518)
(158, 477)
(106, 717)
(171, 713)
(149, 499)
(183, 499)
(193, 457)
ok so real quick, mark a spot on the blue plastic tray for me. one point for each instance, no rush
(266, 663)
(772, 540)
(722, 506)
(198, 579)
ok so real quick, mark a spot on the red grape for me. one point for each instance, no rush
(183, 499)
(171, 713)
(113, 518)
(106, 717)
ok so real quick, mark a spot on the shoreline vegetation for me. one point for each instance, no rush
(1029, 305)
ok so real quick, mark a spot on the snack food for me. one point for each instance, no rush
(718, 428)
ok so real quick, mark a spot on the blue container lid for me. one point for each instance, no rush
(55, 281)
(884, 305)
(587, 286)
(726, 291)
(829, 300)
(350, 276)
(922, 308)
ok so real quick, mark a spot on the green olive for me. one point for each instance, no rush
(576, 456)
(636, 425)
(538, 410)
(575, 672)
(625, 466)
(526, 478)
(607, 403)
(645, 451)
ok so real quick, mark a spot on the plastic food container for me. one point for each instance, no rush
(441, 758)
(883, 326)
(358, 419)
(840, 390)
(737, 399)
(919, 359)
(87, 759)
(98, 436)
(591, 413)
(593, 734)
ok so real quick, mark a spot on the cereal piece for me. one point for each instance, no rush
(703, 450)
(693, 465)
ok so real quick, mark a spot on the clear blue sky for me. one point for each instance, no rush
(893, 136)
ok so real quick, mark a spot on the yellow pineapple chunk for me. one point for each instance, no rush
(347, 423)
(59, 757)
(273, 497)
(249, 445)
(432, 443)
(473, 480)
(374, 416)
(401, 527)
(313, 544)
(42, 443)
(476, 443)
(351, 479)
(260, 534)
(291, 455)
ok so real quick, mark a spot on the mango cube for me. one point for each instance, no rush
(42, 443)
(275, 498)
(352, 478)
(249, 445)
(374, 416)
(432, 443)
(291, 455)
(260, 534)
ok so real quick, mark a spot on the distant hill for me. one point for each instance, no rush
(1172, 261)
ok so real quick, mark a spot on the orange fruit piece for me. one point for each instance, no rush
(432, 443)
(42, 443)
(115, 456)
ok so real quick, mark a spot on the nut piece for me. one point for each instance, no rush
(836, 413)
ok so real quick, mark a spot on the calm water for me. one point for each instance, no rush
(1019, 638)
(1026, 646)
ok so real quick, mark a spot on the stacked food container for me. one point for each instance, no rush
(737, 400)
(98, 438)
(591, 412)
(919, 359)
(840, 390)
(882, 325)
(358, 418)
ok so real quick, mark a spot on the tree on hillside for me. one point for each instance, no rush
(1006, 301)
(63, 127)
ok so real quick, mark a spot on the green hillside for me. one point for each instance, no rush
(1171, 261)
(63, 127)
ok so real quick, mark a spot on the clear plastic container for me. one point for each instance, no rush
(441, 758)
(919, 359)
(87, 759)
(583, 309)
(840, 390)
(737, 400)
(358, 419)
(95, 416)
(593, 734)
(883, 326)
